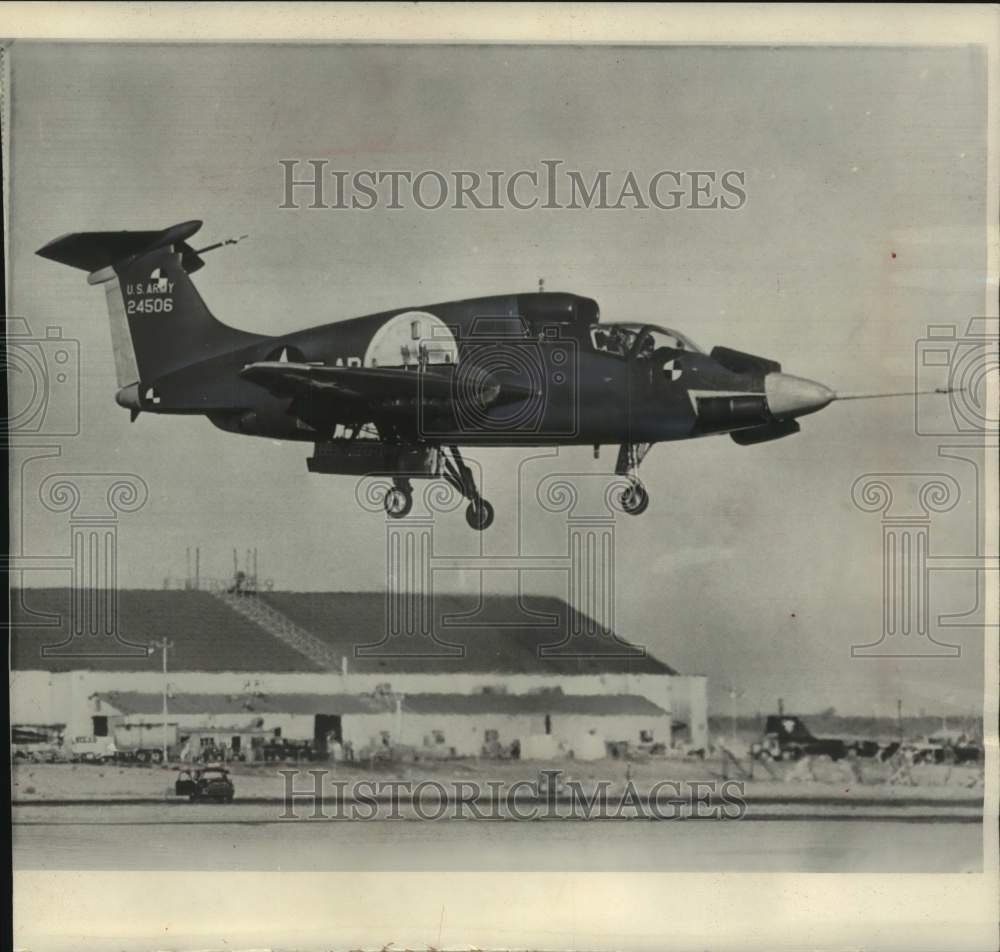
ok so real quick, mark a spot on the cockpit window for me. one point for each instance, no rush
(614, 339)
(620, 339)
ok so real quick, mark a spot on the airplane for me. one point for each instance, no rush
(396, 394)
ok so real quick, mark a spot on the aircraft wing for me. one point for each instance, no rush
(381, 386)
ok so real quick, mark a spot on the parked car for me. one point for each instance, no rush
(205, 783)
(947, 747)
(38, 753)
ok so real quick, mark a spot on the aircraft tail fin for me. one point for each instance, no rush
(159, 321)
(788, 726)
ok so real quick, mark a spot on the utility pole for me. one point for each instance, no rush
(399, 720)
(733, 696)
(164, 646)
(899, 716)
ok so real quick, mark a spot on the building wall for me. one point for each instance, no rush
(571, 728)
(463, 733)
(39, 697)
(466, 733)
(292, 726)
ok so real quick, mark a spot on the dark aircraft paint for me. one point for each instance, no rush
(507, 370)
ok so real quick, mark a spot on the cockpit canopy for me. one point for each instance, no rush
(621, 339)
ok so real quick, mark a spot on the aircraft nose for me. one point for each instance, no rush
(789, 396)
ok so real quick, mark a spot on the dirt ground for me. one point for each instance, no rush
(816, 778)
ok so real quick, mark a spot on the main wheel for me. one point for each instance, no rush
(398, 503)
(479, 515)
(634, 500)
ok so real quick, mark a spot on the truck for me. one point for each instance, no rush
(142, 743)
(89, 749)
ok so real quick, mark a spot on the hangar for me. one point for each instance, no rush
(495, 667)
(543, 723)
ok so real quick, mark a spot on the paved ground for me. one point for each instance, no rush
(248, 837)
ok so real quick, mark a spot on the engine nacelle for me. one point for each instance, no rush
(764, 434)
(276, 424)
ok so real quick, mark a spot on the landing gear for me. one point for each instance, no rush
(399, 500)
(634, 500)
(479, 514)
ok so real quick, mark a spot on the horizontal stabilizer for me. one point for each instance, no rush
(93, 250)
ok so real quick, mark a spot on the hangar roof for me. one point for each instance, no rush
(207, 635)
(139, 702)
(500, 633)
(543, 702)
(493, 634)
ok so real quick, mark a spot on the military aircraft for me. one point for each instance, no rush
(398, 393)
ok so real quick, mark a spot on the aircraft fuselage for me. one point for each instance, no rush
(581, 394)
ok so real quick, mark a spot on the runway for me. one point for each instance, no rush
(211, 838)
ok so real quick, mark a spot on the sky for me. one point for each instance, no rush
(865, 175)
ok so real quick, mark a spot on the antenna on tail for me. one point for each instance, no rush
(221, 244)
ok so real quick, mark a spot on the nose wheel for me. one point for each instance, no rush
(634, 500)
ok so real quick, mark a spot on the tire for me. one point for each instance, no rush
(398, 503)
(634, 500)
(479, 515)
